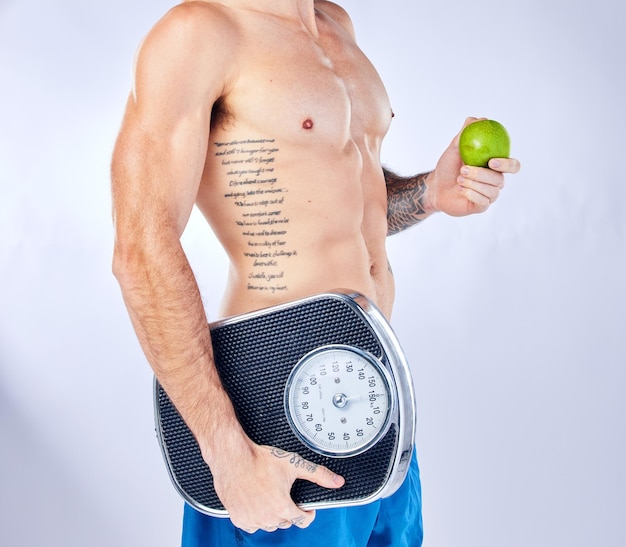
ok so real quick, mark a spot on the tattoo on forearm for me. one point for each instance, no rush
(295, 459)
(405, 201)
(256, 191)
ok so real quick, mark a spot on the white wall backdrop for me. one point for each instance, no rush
(514, 320)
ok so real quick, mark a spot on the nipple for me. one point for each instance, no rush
(393, 114)
(307, 124)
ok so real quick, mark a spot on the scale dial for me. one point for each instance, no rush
(339, 400)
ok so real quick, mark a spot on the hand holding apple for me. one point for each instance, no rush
(457, 187)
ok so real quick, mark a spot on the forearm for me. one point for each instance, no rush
(407, 201)
(166, 309)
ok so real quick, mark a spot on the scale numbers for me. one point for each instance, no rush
(339, 400)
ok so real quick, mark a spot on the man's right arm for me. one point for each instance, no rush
(156, 171)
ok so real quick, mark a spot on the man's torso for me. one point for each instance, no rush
(292, 185)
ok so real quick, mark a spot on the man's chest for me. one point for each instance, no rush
(290, 83)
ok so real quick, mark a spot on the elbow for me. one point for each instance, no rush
(124, 264)
(137, 254)
(131, 254)
(131, 246)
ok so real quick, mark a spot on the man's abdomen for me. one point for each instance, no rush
(281, 274)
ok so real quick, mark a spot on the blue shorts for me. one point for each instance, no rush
(395, 521)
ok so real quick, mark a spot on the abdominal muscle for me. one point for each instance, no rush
(346, 266)
(296, 229)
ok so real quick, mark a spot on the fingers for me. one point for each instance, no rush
(298, 518)
(480, 186)
(310, 471)
(301, 521)
(318, 474)
(326, 478)
(295, 517)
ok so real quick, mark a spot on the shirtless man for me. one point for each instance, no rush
(267, 116)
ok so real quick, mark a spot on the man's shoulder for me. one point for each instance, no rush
(197, 8)
(195, 22)
(337, 13)
(194, 43)
(195, 28)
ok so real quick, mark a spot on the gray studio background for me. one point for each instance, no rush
(514, 321)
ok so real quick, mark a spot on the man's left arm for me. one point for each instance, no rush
(452, 187)
(406, 204)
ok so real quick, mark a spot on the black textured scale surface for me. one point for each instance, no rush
(254, 362)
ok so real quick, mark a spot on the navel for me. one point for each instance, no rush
(307, 124)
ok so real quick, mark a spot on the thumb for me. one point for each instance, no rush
(457, 137)
(470, 120)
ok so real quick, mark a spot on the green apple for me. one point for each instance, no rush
(482, 140)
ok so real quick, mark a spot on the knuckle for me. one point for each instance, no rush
(302, 522)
